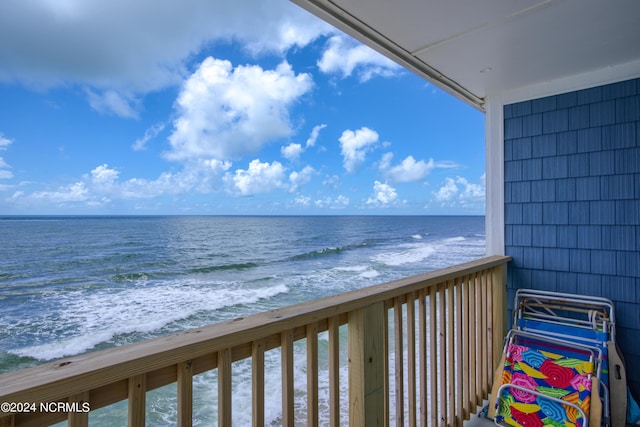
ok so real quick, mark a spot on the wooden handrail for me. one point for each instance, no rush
(127, 372)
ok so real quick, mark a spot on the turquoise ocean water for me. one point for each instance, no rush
(70, 285)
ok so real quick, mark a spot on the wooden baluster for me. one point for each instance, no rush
(257, 382)
(286, 343)
(334, 372)
(312, 374)
(78, 418)
(499, 309)
(459, 391)
(137, 400)
(433, 357)
(490, 335)
(442, 349)
(366, 366)
(224, 388)
(386, 386)
(450, 355)
(399, 362)
(481, 333)
(411, 354)
(185, 393)
(485, 336)
(7, 420)
(476, 399)
(422, 355)
(466, 338)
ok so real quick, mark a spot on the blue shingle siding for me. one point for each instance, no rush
(555, 121)
(521, 192)
(567, 100)
(565, 189)
(555, 167)
(567, 142)
(532, 169)
(627, 161)
(513, 213)
(589, 96)
(602, 212)
(588, 188)
(572, 200)
(578, 165)
(534, 257)
(589, 140)
(533, 214)
(567, 237)
(555, 213)
(621, 135)
(578, 213)
(617, 187)
(543, 191)
(545, 145)
(628, 109)
(602, 113)
(619, 90)
(579, 117)
(544, 236)
(627, 212)
(521, 149)
(589, 237)
(602, 163)
(544, 104)
(513, 128)
(513, 171)
(532, 125)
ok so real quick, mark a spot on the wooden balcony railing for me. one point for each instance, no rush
(421, 351)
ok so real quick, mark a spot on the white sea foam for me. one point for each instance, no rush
(87, 320)
(369, 274)
(438, 253)
(406, 254)
(417, 237)
(352, 268)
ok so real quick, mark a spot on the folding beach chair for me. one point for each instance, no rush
(582, 319)
(539, 387)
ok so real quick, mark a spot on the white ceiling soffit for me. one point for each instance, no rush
(476, 48)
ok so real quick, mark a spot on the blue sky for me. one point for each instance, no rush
(219, 107)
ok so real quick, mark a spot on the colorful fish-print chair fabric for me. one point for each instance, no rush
(540, 388)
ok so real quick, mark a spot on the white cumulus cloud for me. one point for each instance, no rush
(103, 184)
(409, 170)
(339, 202)
(5, 173)
(258, 178)
(355, 145)
(345, 56)
(315, 132)
(294, 150)
(383, 194)
(226, 112)
(298, 179)
(121, 49)
(149, 134)
(459, 192)
(291, 151)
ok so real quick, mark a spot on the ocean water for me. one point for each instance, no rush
(70, 285)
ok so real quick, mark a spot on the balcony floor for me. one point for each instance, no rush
(475, 421)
